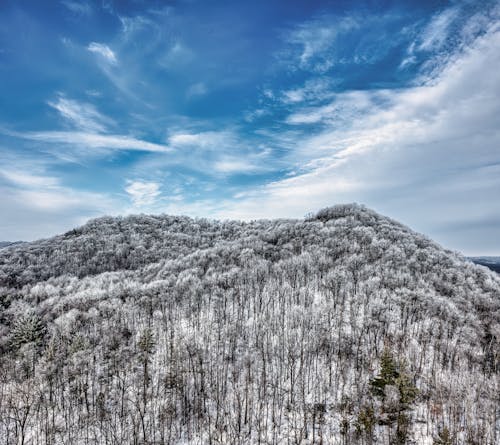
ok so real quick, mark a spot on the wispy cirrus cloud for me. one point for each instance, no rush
(222, 152)
(341, 110)
(93, 140)
(328, 41)
(314, 90)
(104, 51)
(134, 25)
(83, 116)
(448, 29)
(90, 130)
(437, 31)
(433, 36)
(312, 43)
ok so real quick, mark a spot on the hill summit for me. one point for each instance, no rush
(345, 327)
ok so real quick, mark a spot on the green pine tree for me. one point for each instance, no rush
(444, 437)
(388, 374)
(395, 414)
(407, 390)
(366, 422)
(28, 328)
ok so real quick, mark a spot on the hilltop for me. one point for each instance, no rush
(343, 327)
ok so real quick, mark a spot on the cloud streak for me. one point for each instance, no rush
(104, 51)
(82, 116)
(93, 140)
(436, 32)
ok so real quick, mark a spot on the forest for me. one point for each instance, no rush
(344, 327)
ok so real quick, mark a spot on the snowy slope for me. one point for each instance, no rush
(345, 327)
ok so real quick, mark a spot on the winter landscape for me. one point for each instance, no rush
(338, 328)
(250, 222)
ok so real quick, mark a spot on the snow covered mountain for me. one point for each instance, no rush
(491, 262)
(342, 328)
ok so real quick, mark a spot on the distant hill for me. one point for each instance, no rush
(492, 262)
(342, 328)
(9, 243)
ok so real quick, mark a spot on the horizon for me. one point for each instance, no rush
(248, 111)
(194, 218)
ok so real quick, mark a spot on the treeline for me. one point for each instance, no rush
(343, 328)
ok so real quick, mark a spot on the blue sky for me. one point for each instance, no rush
(251, 110)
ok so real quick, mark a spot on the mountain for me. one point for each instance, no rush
(9, 243)
(342, 328)
(491, 262)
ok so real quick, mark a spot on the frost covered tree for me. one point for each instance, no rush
(342, 328)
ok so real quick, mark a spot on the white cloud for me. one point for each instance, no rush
(206, 140)
(235, 165)
(426, 154)
(39, 191)
(143, 193)
(344, 107)
(133, 25)
(59, 199)
(219, 152)
(318, 89)
(29, 194)
(29, 214)
(83, 116)
(443, 30)
(315, 41)
(251, 116)
(437, 31)
(24, 179)
(104, 51)
(93, 140)
(329, 40)
(312, 43)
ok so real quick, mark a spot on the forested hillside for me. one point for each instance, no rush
(342, 328)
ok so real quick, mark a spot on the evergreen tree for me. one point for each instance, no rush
(388, 374)
(444, 437)
(407, 390)
(366, 422)
(28, 328)
(395, 380)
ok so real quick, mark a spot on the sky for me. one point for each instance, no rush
(248, 110)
